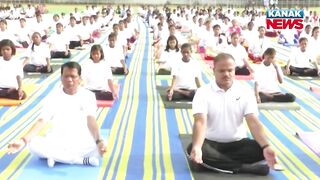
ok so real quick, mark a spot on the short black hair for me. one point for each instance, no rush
(71, 65)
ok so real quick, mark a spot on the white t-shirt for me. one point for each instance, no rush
(170, 58)
(314, 46)
(39, 54)
(239, 53)
(259, 45)
(185, 73)
(58, 42)
(39, 27)
(114, 56)
(73, 33)
(96, 75)
(224, 110)
(266, 76)
(301, 59)
(68, 114)
(9, 70)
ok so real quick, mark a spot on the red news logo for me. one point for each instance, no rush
(285, 19)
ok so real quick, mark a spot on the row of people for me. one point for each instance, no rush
(213, 144)
(39, 61)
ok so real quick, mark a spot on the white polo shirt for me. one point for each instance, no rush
(39, 54)
(225, 110)
(9, 70)
(185, 73)
(301, 59)
(266, 76)
(96, 75)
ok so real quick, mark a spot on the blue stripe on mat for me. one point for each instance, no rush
(137, 150)
(177, 153)
(301, 155)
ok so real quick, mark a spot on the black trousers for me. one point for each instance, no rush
(177, 96)
(60, 54)
(117, 70)
(279, 97)
(11, 93)
(232, 155)
(303, 71)
(103, 95)
(74, 44)
(34, 68)
(164, 72)
(242, 70)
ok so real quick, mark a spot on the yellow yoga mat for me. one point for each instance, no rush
(28, 89)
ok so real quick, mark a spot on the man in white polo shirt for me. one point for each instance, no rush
(219, 134)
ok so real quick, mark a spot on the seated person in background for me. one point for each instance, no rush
(122, 42)
(219, 135)
(5, 33)
(306, 32)
(302, 62)
(86, 30)
(268, 75)
(59, 43)
(240, 55)
(169, 57)
(73, 31)
(249, 35)
(288, 37)
(74, 136)
(40, 26)
(97, 75)
(11, 72)
(219, 40)
(186, 77)
(23, 33)
(38, 57)
(206, 35)
(259, 45)
(234, 28)
(116, 58)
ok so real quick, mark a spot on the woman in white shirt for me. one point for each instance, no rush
(267, 78)
(38, 59)
(97, 75)
(169, 57)
(11, 73)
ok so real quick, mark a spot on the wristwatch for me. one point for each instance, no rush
(98, 141)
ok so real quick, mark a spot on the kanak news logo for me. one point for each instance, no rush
(284, 19)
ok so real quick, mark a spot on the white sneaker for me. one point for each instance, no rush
(50, 162)
(92, 161)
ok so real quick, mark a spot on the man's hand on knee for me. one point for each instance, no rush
(196, 155)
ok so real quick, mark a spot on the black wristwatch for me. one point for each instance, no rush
(98, 141)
